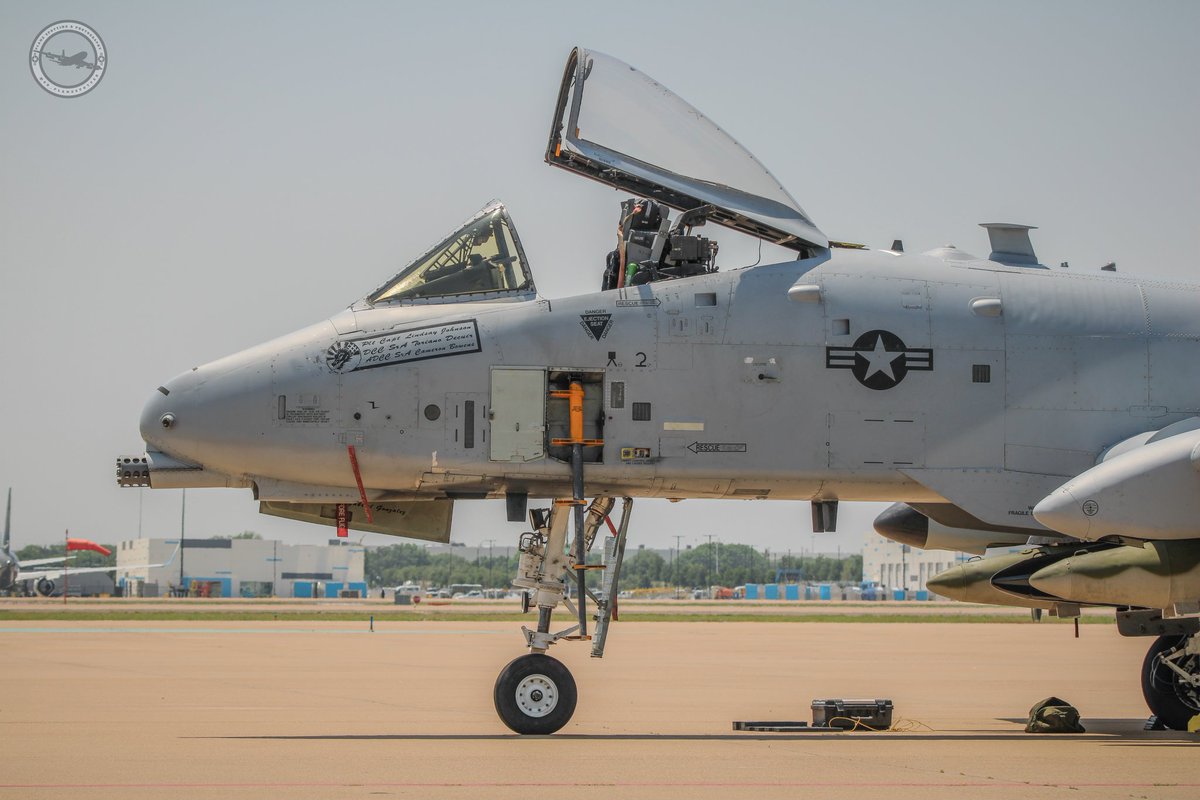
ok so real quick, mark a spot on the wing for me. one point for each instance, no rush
(57, 573)
(40, 562)
(37, 575)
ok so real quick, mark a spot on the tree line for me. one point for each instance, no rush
(709, 564)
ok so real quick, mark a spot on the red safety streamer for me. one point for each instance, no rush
(362, 493)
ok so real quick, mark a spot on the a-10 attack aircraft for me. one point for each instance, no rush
(995, 401)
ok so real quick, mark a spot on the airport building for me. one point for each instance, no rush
(240, 568)
(899, 568)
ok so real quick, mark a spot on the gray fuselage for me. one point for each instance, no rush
(921, 378)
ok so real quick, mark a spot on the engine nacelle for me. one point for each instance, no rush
(45, 587)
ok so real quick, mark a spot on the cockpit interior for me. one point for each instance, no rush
(482, 259)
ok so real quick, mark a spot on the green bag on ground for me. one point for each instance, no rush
(1054, 715)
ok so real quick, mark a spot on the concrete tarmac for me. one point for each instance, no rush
(28, 606)
(319, 710)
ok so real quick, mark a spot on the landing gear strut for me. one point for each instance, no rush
(1171, 679)
(535, 694)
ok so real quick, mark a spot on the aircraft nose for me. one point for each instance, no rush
(165, 419)
(157, 417)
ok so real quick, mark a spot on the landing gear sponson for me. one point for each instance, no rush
(1171, 669)
(535, 694)
(1171, 680)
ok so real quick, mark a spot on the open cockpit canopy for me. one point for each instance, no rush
(481, 260)
(618, 126)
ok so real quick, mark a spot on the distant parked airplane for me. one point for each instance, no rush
(13, 570)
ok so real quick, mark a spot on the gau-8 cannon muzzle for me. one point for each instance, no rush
(160, 471)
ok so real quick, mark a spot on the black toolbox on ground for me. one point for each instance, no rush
(875, 714)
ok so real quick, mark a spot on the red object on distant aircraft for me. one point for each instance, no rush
(84, 544)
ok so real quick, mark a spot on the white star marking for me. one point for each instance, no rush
(879, 360)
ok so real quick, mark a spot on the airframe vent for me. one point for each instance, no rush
(1011, 245)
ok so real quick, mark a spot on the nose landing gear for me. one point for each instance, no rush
(535, 693)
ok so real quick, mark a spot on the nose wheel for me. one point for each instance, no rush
(535, 694)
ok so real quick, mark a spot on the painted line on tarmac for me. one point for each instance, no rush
(1001, 784)
(13, 629)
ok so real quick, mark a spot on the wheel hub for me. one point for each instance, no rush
(536, 695)
(1186, 690)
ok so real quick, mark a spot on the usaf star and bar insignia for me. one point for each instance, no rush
(879, 359)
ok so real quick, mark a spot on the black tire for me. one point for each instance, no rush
(535, 694)
(1169, 698)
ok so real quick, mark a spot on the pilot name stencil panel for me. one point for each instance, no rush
(399, 347)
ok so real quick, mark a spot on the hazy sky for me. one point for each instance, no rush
(244, 169)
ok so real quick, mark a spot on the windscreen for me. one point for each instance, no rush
(481, 257)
